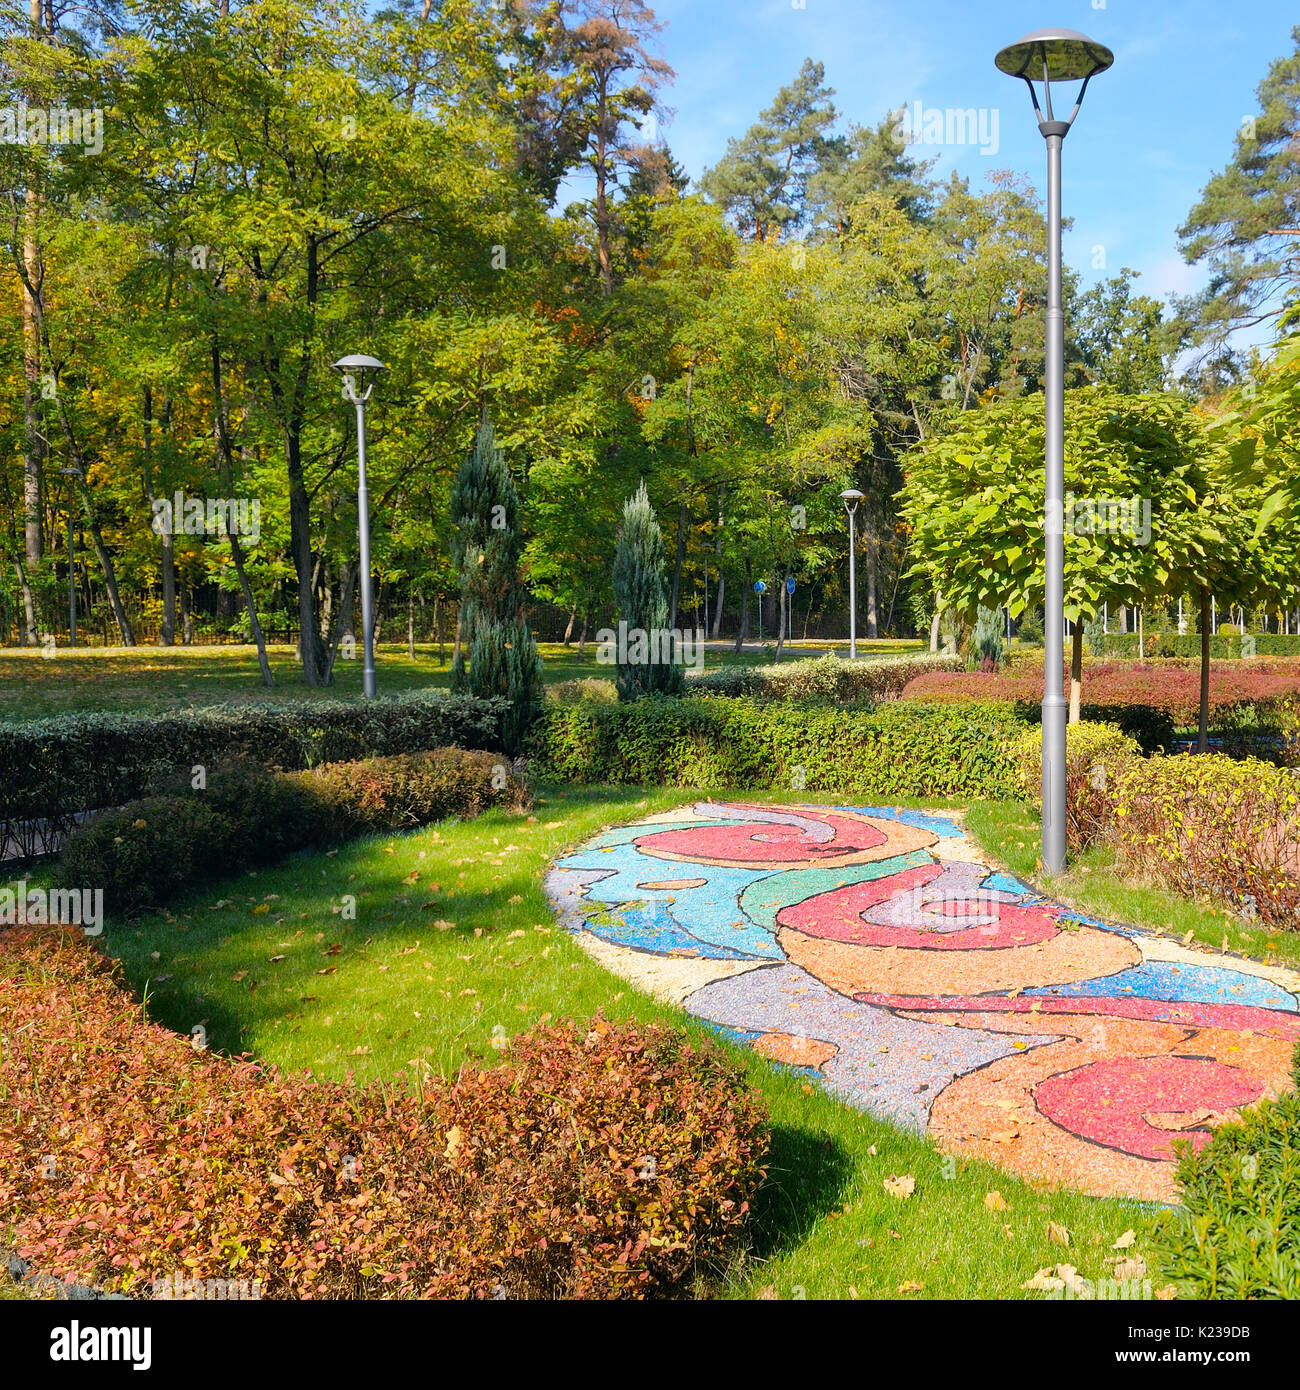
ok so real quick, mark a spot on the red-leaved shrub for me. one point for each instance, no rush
(602, 1161)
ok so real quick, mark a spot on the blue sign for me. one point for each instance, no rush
(789, 584)
(760, 587)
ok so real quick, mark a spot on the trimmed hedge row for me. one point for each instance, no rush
(246, 815)
(51, 769)
(598, 1162)
(901, 749)
(1125, 644)
(828, 677)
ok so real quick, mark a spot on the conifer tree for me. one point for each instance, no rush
(647, 663)
(503, 659)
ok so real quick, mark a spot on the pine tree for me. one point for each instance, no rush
(503, 660)
(642, 603)
(988, 640)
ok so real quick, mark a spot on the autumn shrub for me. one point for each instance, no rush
(899, 749)
(244, 815)
(1261, 697)
(1236, 1234)
(1212, 825)
(598, 1161)
(1096, 757)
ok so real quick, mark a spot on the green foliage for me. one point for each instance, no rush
(988, 641)
(900, 749)
(1236, 1234)
(642, 604)
(1188, 644)
(606, 1161)
(54, 768)
(1095, 755)
(503, 659)
(145, 853)
(829, 678)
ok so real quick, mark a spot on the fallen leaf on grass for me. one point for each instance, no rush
(995, 1201)
(910, 1286)
(901, 1186)
(1125, 1240)
(1056, 1234)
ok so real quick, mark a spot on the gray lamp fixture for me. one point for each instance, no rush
(1048, 56)
(358, 365)
(851, 497)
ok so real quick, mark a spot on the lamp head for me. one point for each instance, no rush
(358, 366)
(850, 497)
(1054, 55)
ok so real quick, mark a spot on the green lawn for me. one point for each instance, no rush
(453, 938)
(152, 678)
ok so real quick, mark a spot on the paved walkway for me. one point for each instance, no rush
(873, 949)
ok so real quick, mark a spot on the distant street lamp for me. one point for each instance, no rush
(1047, 56)
(353, 367)
(71, 473)
(851, 497)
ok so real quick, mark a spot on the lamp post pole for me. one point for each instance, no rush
(851, 497)
(350, 367)
(1047, 56)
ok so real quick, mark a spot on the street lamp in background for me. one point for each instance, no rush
(851, 497)
(70, 474)
(358, 366)
(1047, 56)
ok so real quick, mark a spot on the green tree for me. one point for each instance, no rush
(645, 667)
(503, 659)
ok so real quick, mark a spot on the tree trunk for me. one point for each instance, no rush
(582, 640)
(780, 621)
(410, 624)
(27, 633)
(437, 627)
(1123, 617)
(1076, 671)
(568, 627)
(225, 462)
(934, 632)
(677, 566)
(743, 631)
(1203, 728)
(167, 635)
(717, 611)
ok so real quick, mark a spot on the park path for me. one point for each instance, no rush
(874, 950)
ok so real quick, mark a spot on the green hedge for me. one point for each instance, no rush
(52, 769)
(901, 749)
(826, 678)
(1125, 644)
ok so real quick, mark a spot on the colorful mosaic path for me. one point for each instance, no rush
(872, 948)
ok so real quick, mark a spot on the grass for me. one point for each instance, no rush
(149, 679)
(1009, 832)
(453, 938)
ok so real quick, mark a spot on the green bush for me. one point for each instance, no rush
(1237, 1233)
(602, 692)
(52, 769)
(900, 749)
(1095, 755)
(827, 678)
(151, 849)
(1222, 644)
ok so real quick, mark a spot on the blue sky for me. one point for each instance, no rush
(1152, 130)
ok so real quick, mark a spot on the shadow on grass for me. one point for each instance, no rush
(182, 1009)
(807, 1176)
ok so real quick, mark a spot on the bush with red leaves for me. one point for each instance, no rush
(600, 1162)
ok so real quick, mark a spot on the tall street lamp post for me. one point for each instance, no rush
(358, 365)
(1047, 56)
(851, 497)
